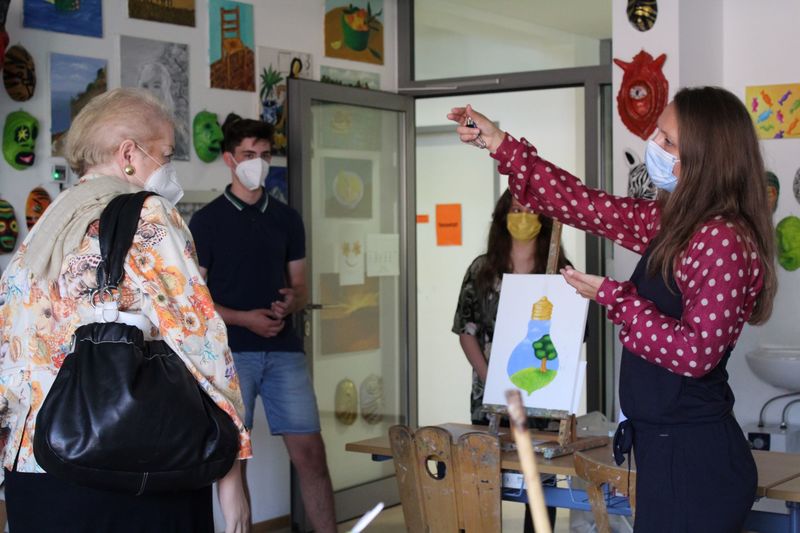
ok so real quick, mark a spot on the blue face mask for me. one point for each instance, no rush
(659, 165)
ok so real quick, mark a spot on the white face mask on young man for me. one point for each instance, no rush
(163, 181)
(252, 172)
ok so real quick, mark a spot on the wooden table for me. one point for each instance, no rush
(778, 475)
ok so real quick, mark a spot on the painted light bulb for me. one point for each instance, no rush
(533, 363)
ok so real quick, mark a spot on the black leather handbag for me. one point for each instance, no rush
(126, 414)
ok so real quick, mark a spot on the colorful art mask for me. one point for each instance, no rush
(3, 33)
(37, 202)
(642, 14)
(639, 183)
(19, 74)
(773, 190)
(788, 231)
(8, 228)
(19, 139)
(207, 136)
(643, 93)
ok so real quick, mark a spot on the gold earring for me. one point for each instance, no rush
(129, 170)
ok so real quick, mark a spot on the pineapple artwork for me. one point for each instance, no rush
(534, 362)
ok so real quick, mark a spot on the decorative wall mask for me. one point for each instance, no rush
(371, 393)
(3, 33)
(643, 93)
(788, 232)
(37, 202)
(346, 403)
(9, 230)
(796, 185)
(207, 136)
(639, 184)
(773, 190)
(19, 139)
(642, 14)
(19, 74)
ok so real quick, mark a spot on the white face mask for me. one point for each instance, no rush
(164, 181)
(252, 172)
(659, 164)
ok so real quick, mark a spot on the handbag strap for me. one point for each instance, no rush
(118, 224)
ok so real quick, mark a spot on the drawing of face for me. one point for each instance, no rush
(8, 228)
(788, 231)
(155, 78)
(19, 139)
(207, 136)
(643, 93)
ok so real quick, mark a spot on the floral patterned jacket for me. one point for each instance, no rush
(162, 282)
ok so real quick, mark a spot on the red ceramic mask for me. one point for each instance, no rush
(643, 94)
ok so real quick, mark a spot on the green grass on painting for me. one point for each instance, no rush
(531, 379)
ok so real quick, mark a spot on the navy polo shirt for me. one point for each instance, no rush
(245, 249)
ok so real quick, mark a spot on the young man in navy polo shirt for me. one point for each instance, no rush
(251, 249)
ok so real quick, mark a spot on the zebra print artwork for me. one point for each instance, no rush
(639, 184)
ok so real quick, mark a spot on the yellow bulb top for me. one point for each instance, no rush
(542, 310)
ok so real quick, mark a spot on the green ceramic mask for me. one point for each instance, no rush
(788, 231)
(207, 136)
(19, 139)
(8, 228)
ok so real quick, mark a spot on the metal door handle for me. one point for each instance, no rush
(314, 307)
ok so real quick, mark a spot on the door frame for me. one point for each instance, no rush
(354, 501)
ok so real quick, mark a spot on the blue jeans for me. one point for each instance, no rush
(284, 383)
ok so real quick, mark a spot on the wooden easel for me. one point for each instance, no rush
(568, 441)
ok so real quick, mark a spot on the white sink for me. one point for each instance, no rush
(778, 366)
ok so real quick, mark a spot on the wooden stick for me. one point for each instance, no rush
(533, 483)
(552, 252)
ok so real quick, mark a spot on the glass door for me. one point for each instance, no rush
(351, 178)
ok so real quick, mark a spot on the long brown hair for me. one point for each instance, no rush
(722, 174)
(498, 249)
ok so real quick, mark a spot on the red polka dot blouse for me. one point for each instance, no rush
(718, 274)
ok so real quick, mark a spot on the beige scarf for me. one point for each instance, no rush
(64, 223)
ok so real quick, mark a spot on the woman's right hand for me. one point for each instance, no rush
(484, 128)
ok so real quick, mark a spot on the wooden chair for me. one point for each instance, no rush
(444, 486)
(597, 474)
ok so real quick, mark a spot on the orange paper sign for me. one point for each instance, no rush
(448, 224)
(423, 219)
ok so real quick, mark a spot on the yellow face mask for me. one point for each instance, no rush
(523, 226)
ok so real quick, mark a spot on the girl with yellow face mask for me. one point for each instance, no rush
(519, 241)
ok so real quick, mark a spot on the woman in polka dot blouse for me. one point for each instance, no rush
(710, 271)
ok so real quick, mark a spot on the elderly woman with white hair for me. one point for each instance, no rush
(121, 142)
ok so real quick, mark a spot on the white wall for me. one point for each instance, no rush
(721, 42)
(286, 24)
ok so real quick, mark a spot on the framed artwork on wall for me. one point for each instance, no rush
(79, 17)
(74, 80)
(170, 11)
(354, 30)
(350, 319)
(231, 52)
(163, 69)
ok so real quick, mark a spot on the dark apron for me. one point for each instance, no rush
(694, 468)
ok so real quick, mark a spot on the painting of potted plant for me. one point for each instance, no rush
(270, 108)
(354, 30)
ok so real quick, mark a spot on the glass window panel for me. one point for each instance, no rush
(458, 38)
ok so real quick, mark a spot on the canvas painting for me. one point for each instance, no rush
(231, 50)
(350, 78)
(169, 11)
(537, 342)
(775, 110)
(277, 184)
(274, 68)
(349, 127)
(163, 69)
(350, 319)
(354, 30)
(79, 17)
(74, 80)
(348, 187)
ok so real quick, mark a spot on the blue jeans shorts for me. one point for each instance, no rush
(284, 384)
